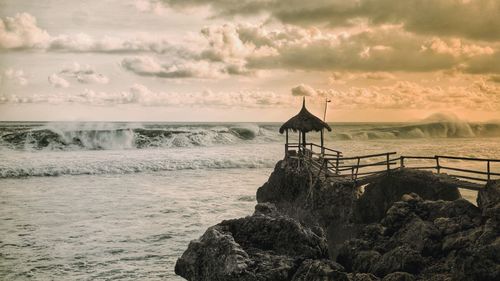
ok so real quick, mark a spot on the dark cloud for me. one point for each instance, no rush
(385, 49)
(476, 19)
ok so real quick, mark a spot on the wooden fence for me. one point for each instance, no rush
(331, 163)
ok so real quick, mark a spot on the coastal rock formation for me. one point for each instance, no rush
(431, 240)
(419, 229)
(383, 191)
(258, 247)
(300, 194)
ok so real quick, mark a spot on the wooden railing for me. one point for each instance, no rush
(438, 164)
(331, 163)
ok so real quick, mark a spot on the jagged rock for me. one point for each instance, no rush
(399, 276)
(384, 191)
(268, 209)
(362, 277)
(419, 235)
(488, 198)
(313, 202)
(349, 252)
(399, 259)
(258, 247)
(365, 260)
(281, 235)
(214, 256)
(320, 270)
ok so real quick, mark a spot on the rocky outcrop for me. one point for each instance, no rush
(380, 194)
(264, 246)
(298, 193)
(430, 240)
(406, 226)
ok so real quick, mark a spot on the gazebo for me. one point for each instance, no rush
(304, 122)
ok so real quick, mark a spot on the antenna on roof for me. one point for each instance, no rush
(326, 106)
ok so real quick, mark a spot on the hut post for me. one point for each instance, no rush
(286, 144)
(304, 140)
(322, 145)
(298, 148)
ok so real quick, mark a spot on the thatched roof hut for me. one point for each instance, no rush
(304, 122)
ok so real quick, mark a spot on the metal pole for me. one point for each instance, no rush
(326, 106)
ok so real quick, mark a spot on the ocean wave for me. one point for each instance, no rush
(111, 136)
(117, 165)
(438, 129)
(118, 136)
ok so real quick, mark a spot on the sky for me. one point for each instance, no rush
(248, 60)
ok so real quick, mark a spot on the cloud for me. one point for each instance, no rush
(303, 90)
(153, 6)
(21, 31)
(141, 95)
(478, 95)
(371, 50)
(14, 76)
(84, 74)
(475, 19)
(341, 77)
(57, 81)
(148, 66)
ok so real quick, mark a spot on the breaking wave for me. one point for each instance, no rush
(117, 136)
(109, 136)
(439, 129)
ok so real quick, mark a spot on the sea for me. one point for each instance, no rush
(122, 201)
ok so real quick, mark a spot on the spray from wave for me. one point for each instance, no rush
(439, 125)
(109, 136)
(119, 136)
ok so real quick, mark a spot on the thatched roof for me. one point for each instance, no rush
(305, 122)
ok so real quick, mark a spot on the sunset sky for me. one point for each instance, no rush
(248, 60)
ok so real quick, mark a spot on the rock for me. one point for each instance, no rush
(320, 270)
(408, 225)
(349, 251)
(312, 202)
(281, 235)
(461, 240)
(399, 276)
(365, 260)
(231, 259)
(419, 235)
(478, 261)
(399, 259)
(268, 209)
(489, 197)
(258, 247)
(362, 277)
(384, 191)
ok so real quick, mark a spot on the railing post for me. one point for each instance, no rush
(488, 169)
(437, 164)
(388, 163)
(357, 168)
(337, 164)
(325, 167)
(402, 159)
